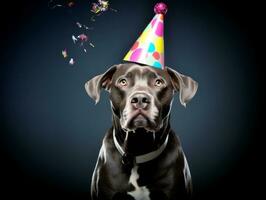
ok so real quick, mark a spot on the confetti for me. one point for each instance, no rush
(74, 39)
(83, 37)
(95, 8)
(71, 4)
(104, 5)
(81, 40)
(53, 4)
(71, 61)
(83, 26)
(64, 53)
(100, 7)
(87, 28)
(79, 24)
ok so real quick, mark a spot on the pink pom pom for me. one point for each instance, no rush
(160, 8)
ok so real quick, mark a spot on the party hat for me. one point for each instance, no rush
(149, 47)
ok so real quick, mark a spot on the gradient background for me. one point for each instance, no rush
(51, 131)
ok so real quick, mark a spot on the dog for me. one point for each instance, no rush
(141, 157)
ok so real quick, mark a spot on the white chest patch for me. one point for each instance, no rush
(140, 193)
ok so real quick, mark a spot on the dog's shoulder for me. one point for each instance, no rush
(108, 140)
(108, 148)
(174, 145)
(174, 154)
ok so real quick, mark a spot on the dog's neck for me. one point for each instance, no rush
(140, 141)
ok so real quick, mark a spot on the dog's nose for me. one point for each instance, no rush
(140, 100)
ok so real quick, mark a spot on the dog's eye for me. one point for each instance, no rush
(158, 83)
(123, 82)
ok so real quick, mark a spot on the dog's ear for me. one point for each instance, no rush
(93, 87)
(186, 86)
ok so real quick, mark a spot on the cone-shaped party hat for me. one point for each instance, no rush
(149, 47)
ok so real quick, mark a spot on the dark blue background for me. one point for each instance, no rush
(51, 131)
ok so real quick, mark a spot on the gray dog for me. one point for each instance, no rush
(141, 158)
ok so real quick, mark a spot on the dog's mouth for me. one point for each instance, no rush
(139, 119)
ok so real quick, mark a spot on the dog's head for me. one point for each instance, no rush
(141, 96)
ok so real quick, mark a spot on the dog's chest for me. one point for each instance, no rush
(139, 192)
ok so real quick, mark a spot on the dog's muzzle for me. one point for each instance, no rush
(140, 100)
(140, 112)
